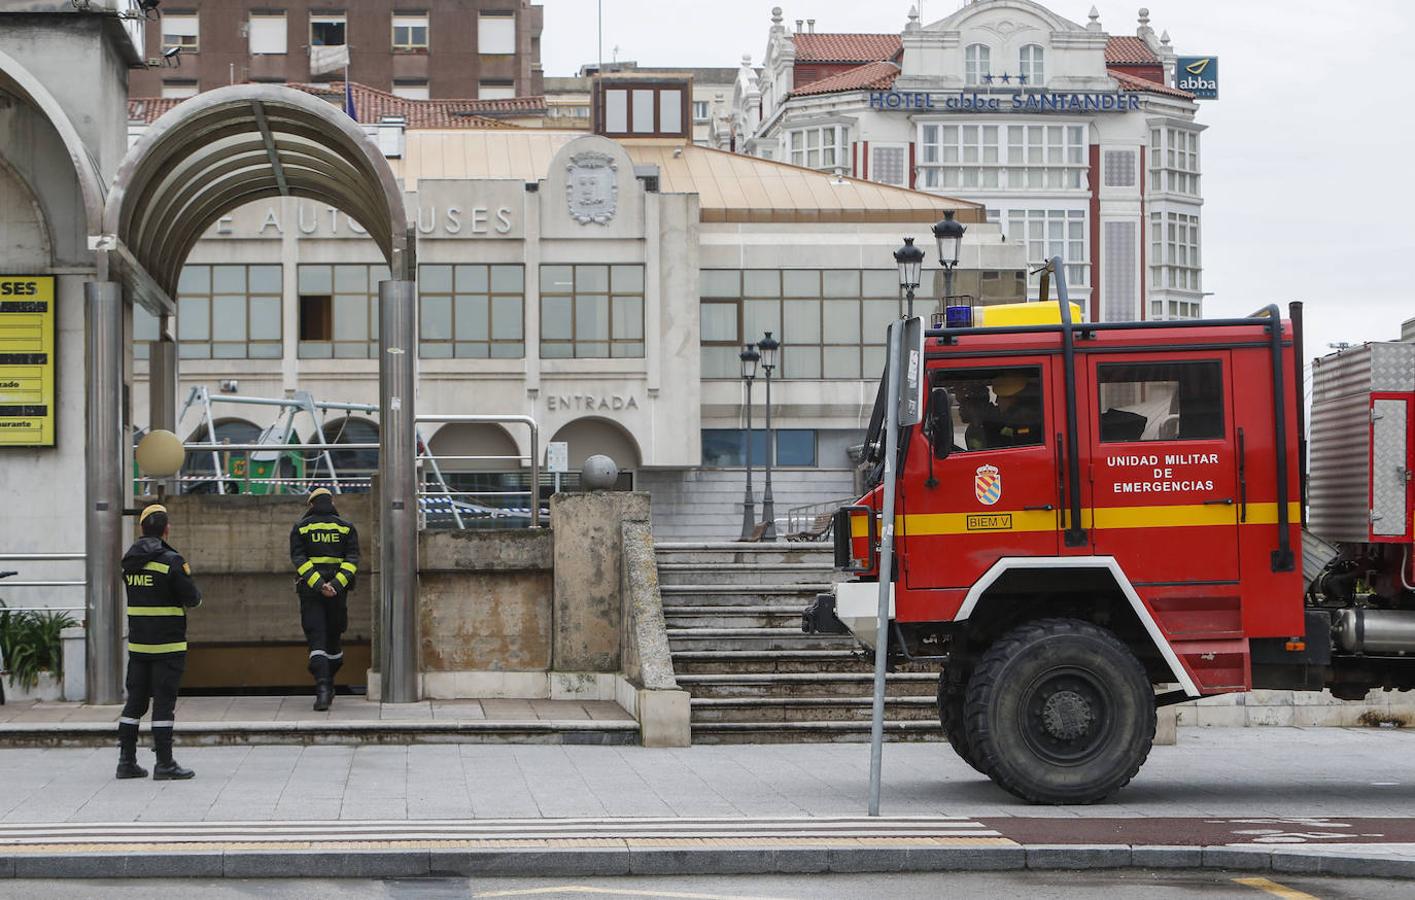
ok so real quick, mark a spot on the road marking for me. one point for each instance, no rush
(1267, 885)
(619, 892)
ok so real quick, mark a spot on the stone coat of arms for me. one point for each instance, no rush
(592, 187)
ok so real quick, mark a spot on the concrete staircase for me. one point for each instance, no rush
(734, 628)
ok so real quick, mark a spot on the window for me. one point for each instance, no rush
(818, 148)
(471, 312)
(327, 31)
(889, 165)
(179, 90)
(1030, 67)
(831, 322)
(1120, 299)
(700, 111)
(643, 109)
(496, 90)
(267, 33)
(976, 65)
(1174, 161)
(410, 32)
(727, 447)
(1052, 232)
(995, 408)
(1179, 401)
(1118, 167)
(591, 312)
(339, 310)
(180, 31)
(144, 330)
(411, 90)
(1033, 157)
(1174, 251)
(229, 312)
(496, 33)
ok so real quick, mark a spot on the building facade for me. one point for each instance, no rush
(1074, 139)
(475, 49)
(568, 99)
(603, 284)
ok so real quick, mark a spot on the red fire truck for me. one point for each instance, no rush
(1096, 519)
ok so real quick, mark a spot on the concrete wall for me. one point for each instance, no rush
(588, 588)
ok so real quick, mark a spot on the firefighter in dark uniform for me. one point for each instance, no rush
(160, 591)
(325, 552)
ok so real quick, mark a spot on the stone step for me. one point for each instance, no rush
(766, 661)
(675, 595)
(811, 732)
(784, 685)
(809, 709)
(725, 573)
(724, 616)
(821, 553)
(731, 639)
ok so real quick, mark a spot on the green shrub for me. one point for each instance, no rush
(29, 644)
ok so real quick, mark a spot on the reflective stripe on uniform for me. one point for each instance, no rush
(177, 647)
(349, 567)
(157, 567)
(327, 560)
(164, 724)
(339, 655)
(341, 578)
(125, 720)
(314, 653)
(156, 611)
(313, 579)
(304, 568)
(324, 526)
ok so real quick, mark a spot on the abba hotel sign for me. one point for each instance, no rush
(1005, 101)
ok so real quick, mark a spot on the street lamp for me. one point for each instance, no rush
(768, 347)
(911, 261)
(749, 357)
(949, 235)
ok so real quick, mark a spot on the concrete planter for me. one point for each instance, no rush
(48, 689)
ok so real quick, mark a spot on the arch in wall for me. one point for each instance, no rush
(200, 463)
(359, 464)
(24, 235)
(475, 439)
(592, 434)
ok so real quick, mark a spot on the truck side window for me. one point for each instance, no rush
(1169, 401)
(995, 407)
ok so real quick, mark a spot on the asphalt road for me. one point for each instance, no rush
(1152, 885)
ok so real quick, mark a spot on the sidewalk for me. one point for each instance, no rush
(1286, 799)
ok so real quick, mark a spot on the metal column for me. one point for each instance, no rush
(398, 499)
(162, 382)
(103, 497)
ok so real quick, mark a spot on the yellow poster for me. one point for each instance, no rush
(26, 361)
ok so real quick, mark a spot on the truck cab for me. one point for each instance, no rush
(1095, 519)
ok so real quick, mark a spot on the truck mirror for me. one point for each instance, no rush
(939, 425)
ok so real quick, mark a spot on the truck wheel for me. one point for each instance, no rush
(952, 697)
(1060, 711)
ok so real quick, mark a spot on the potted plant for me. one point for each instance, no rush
(31, 657)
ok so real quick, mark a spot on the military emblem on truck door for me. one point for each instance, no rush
(987, 485)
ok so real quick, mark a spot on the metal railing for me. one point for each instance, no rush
(220, 456)
(441, 498)
(803, 523)
(44, 583)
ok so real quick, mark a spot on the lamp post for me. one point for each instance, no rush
(948, 233)
(768, 347)
(749, 357)
(911, 261)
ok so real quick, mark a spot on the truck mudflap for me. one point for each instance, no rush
(820, 617)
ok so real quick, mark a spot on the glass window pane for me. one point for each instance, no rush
(721, 283)
(626, 280)
(435, 351)
(265, 318)
(670, 112)
(759, 316)
(144, 325)
(842, 362)
(315, 349)
(435, 319)
(194, 280)
(471, 279)
(795, 447)
(592, 279)
(616, 111)
(643, 112)
(264, 351)
(263, 279)
(758, 283)
(802, 322)
(840, 283)
(315, 280)
(506, 321)
(351, 351)
(350, 317)
(719, 321)
(469, 350)
(800, 283)
(591, 317)
(557, 351)
(508, 279)
(877, 316)
(471, 318)
(508, 350)
(842, 322)
(800, 362)
(434, 279)
(720, 362)
(592, 349)
(881, 283)
(555, 321)
(556, 280)
(627, 351)
(628, 319)
(193, 319)
(351, 279)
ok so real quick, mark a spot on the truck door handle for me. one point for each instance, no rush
(1045, 507)
(1222, 501)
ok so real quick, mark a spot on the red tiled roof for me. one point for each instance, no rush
(1134, 83)
(372, 105)
(846, 48)
(1127, 50)
(871, 76)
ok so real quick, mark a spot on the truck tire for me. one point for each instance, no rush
(1060, 711)
(952, 698)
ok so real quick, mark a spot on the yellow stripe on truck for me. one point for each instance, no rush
(1104, 518)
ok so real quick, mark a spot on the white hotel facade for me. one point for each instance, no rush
(1075, 140)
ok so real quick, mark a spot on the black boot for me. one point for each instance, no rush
(128, 752)
(323, 695)
(167, 768)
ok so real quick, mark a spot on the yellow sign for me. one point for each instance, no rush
(26, 361)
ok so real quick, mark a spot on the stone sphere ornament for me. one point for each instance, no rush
(599, 473)
(160, 454)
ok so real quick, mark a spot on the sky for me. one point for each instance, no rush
(1305, 197)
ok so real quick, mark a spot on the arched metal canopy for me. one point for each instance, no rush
(228, 147)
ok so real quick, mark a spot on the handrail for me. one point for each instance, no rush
(478, 419)
(42, 557)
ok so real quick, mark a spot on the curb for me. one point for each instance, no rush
(627, 858)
